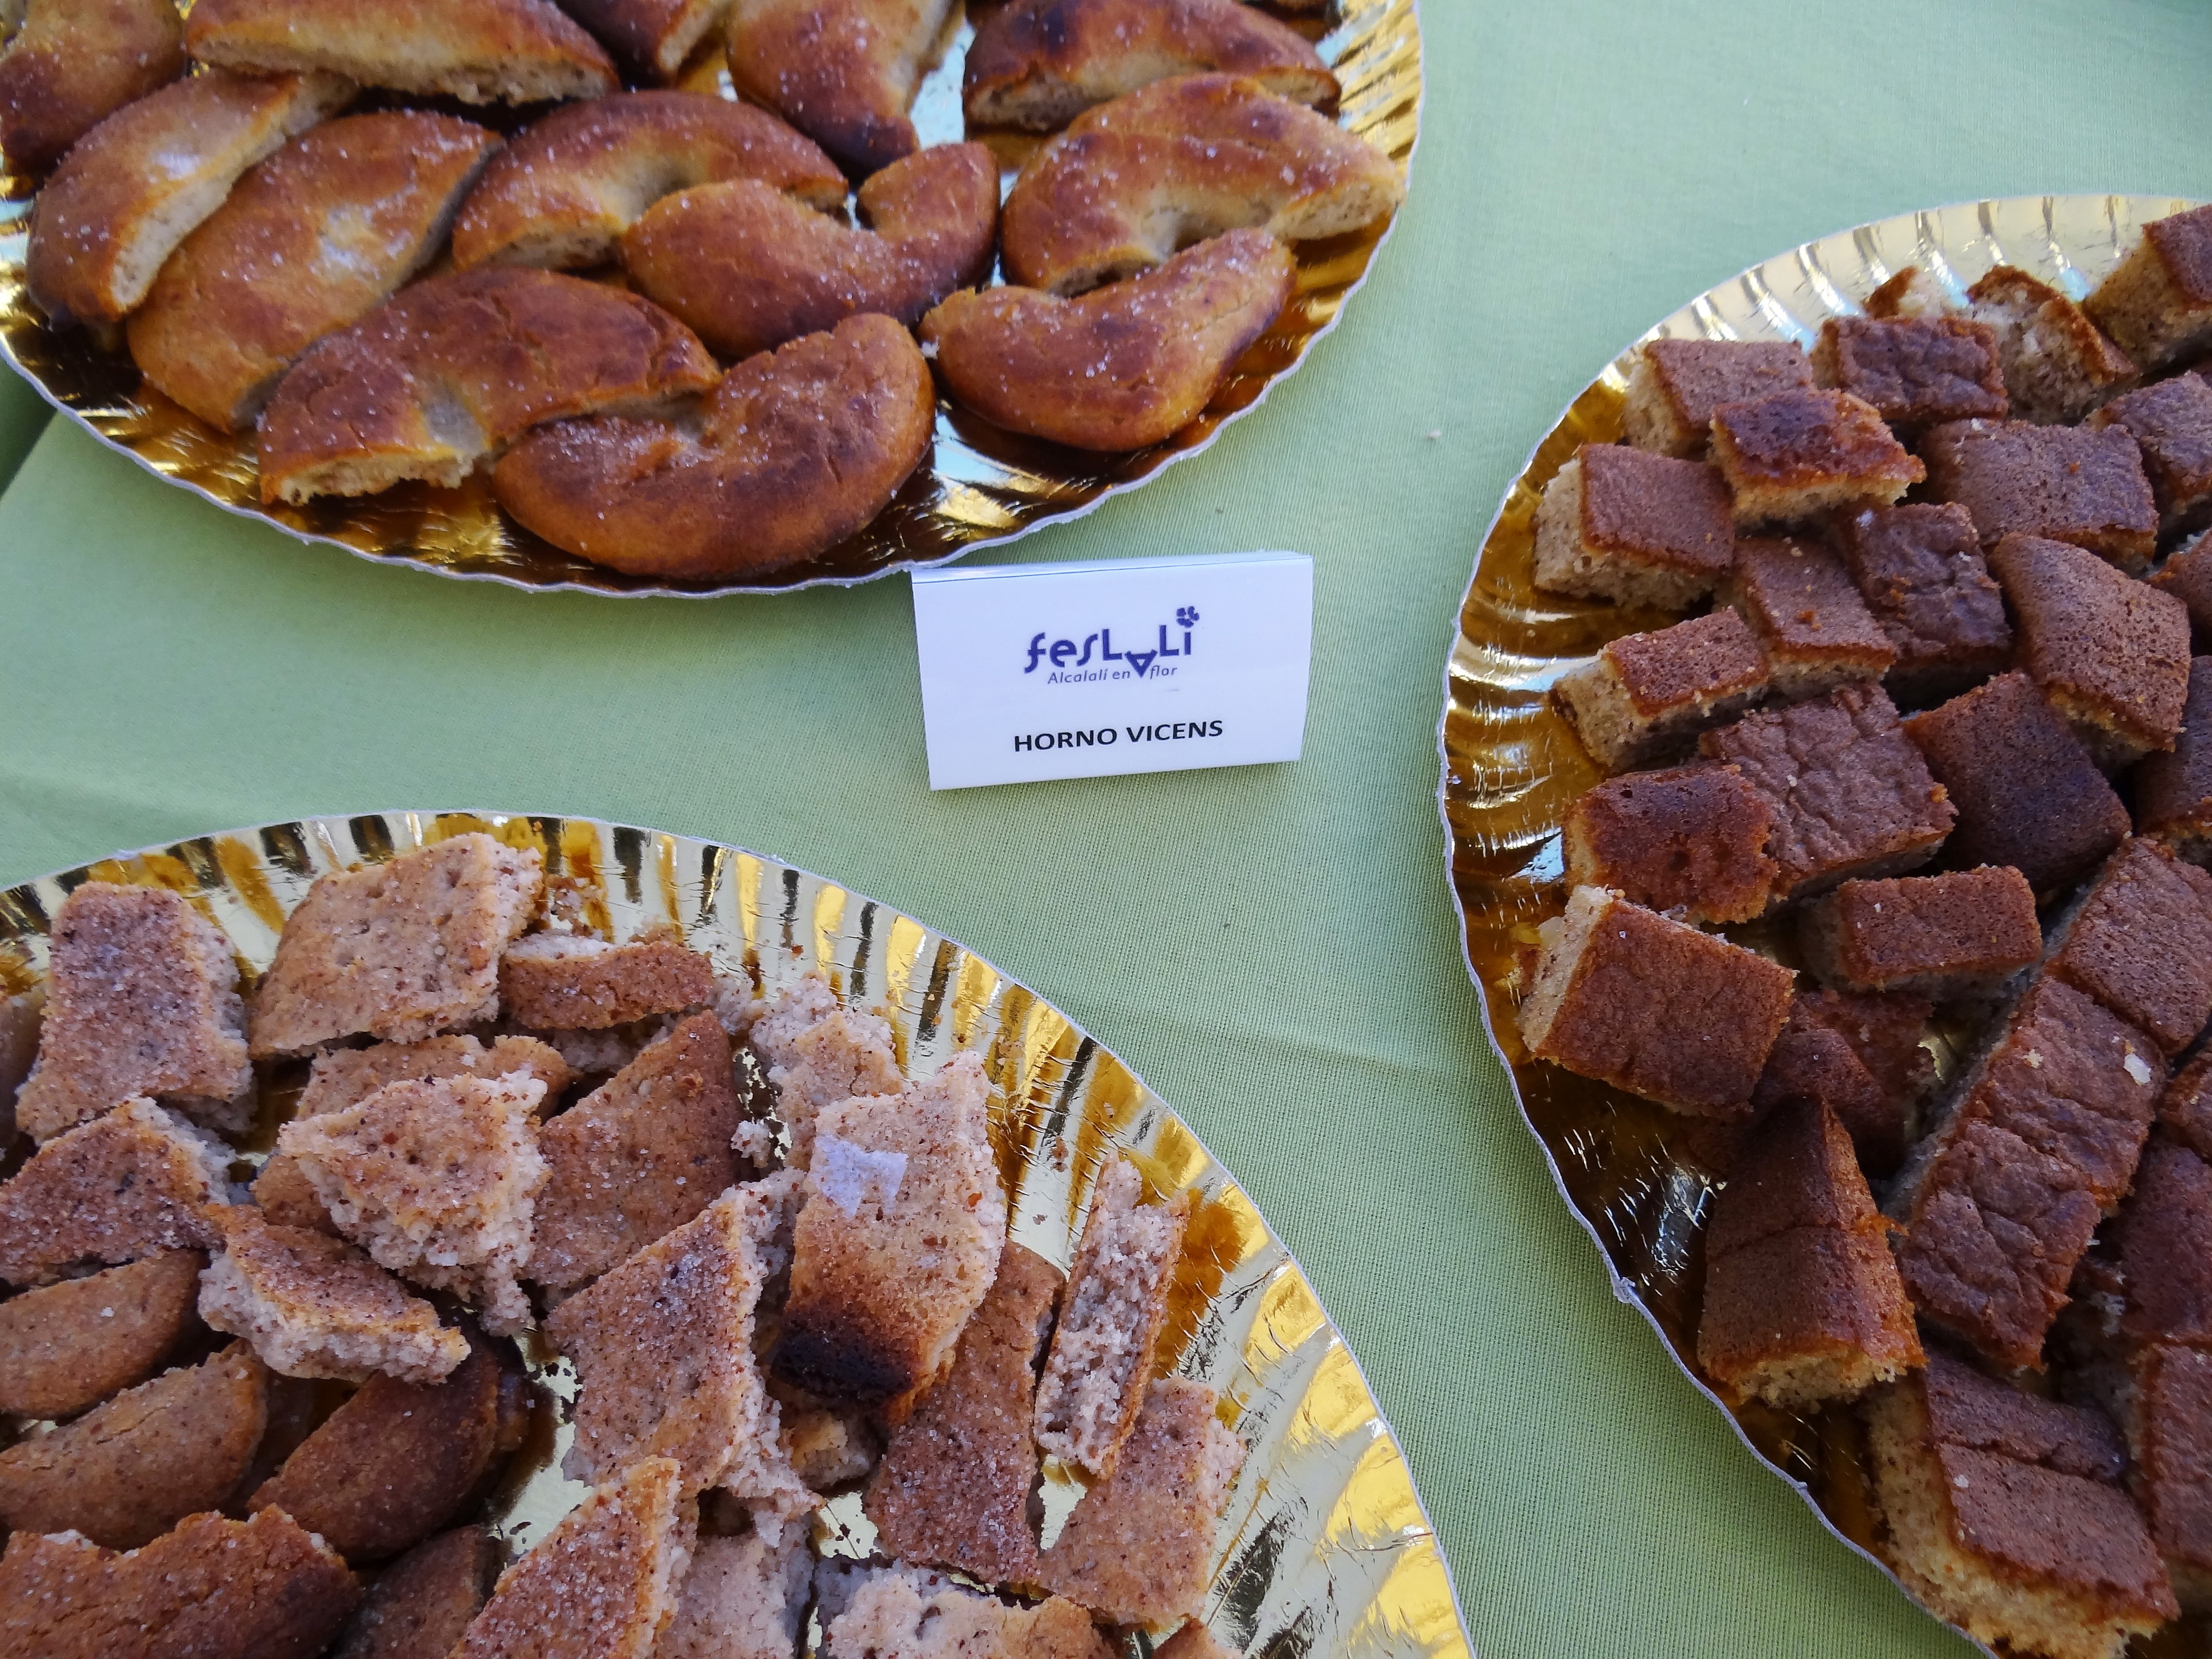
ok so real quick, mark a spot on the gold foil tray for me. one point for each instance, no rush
(1633, 1173)
(1324, 1548)
(981, 485)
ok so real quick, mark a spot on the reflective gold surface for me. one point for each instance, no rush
(1324, 1548)
(980, 485)
(1635, 1174)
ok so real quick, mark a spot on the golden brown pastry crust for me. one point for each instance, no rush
(749, 268)
(842, 71)
(567, 187)
(73, 63)
(793, 452)
(309, 242)
(1177, 160)
(451, 370)
(137, 185)
(654, 34)
(1039, 63)
(481, 51)
(1121, 367)
(66, 1347)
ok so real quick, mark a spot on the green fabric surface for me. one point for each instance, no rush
(1274, 949)
(23, 415)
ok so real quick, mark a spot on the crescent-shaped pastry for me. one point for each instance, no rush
(140, 181)
(749, 268)
(843, 72)
(657, 35)
(72, 65)
(311, 241)
(566, 189)
(1040, 63)
(793, 452)
(1124, 366)
(448, 371)
(481, 51)
(1177, 161)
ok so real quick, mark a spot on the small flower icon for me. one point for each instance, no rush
(1187, 615)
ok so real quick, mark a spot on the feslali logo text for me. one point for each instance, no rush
(1070, 662)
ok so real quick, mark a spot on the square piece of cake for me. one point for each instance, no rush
(1653, 1006)
(1792, 455)
(2157, 302)
(2187, 574)
(1914, 371)
(571, 981)
(2027, 794)
(142, 999)
(1942, 936)
(1675, 386)
(2185, 1110)
(2141, 943)
(1815, 629)
(1690, 839)
(2162, 1242)
(2174, 790)
(2173, 1464)
(2059, 365)
(2171, 424)
(2081, 484)
(1919, 569)
(1646, 694)
(2107, 652)
(130, 1184)
(1618, 524)
(401, 950)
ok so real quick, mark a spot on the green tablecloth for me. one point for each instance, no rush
(1272, 948)
(22, 416)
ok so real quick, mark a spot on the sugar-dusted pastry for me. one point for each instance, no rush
(447, 373)
(819, 1054)
(1178, 161)
(2081, 484)
(1675, 386)
(128, 1185)
(481, 51)
(1121, 367)
(346, 1077)
(398, 950)
(554, 981)
(568, 186)
(1792, 455)
(65, 1347)
(1691, 839)
(792, 452)
(75, 63)
(1643, 695)
(142, 999)
(844, 72)
(1040, 63)
(136, 186)
(309, 243)
(1814, 629)
(1616, 523)
(422, 1604)
(2157, 302)
(655, 35)
(749, 268)
(898, 1616)
(741, 1598)
(2057, 364)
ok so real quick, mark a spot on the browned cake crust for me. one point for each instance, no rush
(265, 1588)
(1802, 1305)
(1124, 366)
(309, 243)
(1040, 63)
(2141, 944)
(638, 1157)
(2027, 794)
(142, 999)
(656, 35)
(1942, 936)
(1919, 569)
(2057, 364)
(2174, 790)
(69, 1346)
(482, 51)
(447, 373)
(394, 1463)
(2109, 653)
(1179, 160)
(1790, 455)
(1910, 291)
(346, 1077)
(2172, 1476)
(2079, 484)
(397, 950)
(1614, 979)
(564, 192)
(1815, 631)
(2004, 1516)
(2171, 424)
(1139, 1547)
(1691, 839)
(72, 65)
(1914, 370)
(763, 483)
(2162, 1243)
(953, 1488)
(128, 1185)
(842, 71)
(599, 1585)
(555, 981)
(1644, 694)
(1618, 524)
(421, 1605)
(1676, 385)
(2186, 1110)
(2157, 302)
(1857, 1054)
(137, 185)
(903, 1615)
(1851, 796)
(780, 270)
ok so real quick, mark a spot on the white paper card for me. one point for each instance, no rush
(1080, 670)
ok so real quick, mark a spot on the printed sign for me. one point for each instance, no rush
(1075, 671)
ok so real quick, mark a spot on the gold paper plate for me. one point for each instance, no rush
(981, 485)
(1324, 1549)
(1631, 1170)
